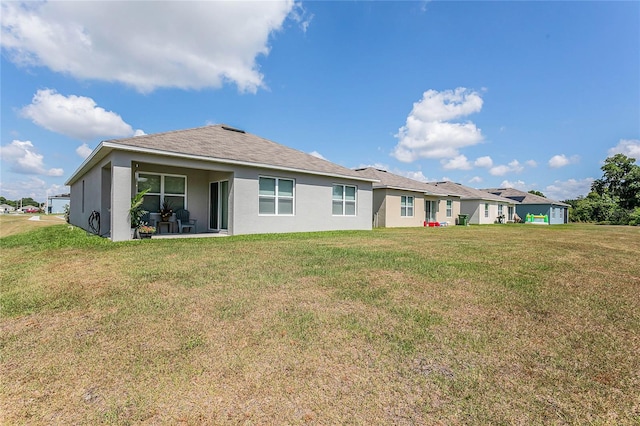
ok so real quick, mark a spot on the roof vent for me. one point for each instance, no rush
(233, 129)
(367, 168)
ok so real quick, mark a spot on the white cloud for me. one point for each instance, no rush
(485, 161)
(568, 189)
(459, 162)
(429, 131)
(531, 163)
(301, 17)
(418, 175)
(519, 184)
(628, 147)
(562, 160)
(475, 179)
(83, 150)
(148, 45)
(23, 159)
(501, 170)
(75, 116)
(558, 161)
(317, 155)
(515, 166)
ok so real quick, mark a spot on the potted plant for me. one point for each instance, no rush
(136, 212)
(166, 211)
(145, 231)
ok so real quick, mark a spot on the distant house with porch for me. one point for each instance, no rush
(529, 205)
(231, 181)
(480, 207)
(399, 201)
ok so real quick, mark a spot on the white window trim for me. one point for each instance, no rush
(345, 201)
(277, 196)
(486, 209)
(449, 208)
(407, 206)
(162, 194)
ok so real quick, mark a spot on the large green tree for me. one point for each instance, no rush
(7, 202)
(621, 181)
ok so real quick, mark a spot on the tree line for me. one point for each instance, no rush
(16, 203)
(614, 198)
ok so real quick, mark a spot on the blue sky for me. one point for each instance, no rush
(533, 95)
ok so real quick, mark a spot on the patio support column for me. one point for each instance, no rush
(120, 200)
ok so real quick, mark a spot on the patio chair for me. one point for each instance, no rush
(184, 222)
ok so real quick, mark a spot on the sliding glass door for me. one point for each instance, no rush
(219, 205)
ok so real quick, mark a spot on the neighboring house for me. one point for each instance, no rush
(531, 204)
(6, 208)
(57, 203)
(230, 181)
(399, 201)
(480, 207)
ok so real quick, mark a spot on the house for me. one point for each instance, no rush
(535, 205)
(480, 207)
(6, 208)
(230, 181)
(57, 203)
(400, 202)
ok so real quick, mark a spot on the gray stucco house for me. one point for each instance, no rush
(481, 207)
(399, 201)
(532, 204)
(229, 180)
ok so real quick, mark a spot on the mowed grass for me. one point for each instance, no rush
(511, 324)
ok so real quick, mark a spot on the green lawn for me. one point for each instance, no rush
(511, 324)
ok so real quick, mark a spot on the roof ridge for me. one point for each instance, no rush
(168, 132)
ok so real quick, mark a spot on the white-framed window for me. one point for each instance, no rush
(162, 187)
(553, 212)
(449, 208)
(486, 209)
(499, 209)
(276, 196)
(343, 200)
(406, 206)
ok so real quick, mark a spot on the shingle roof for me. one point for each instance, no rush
(466, 192)
(390, 180)
(220, 142)
(523, 197)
